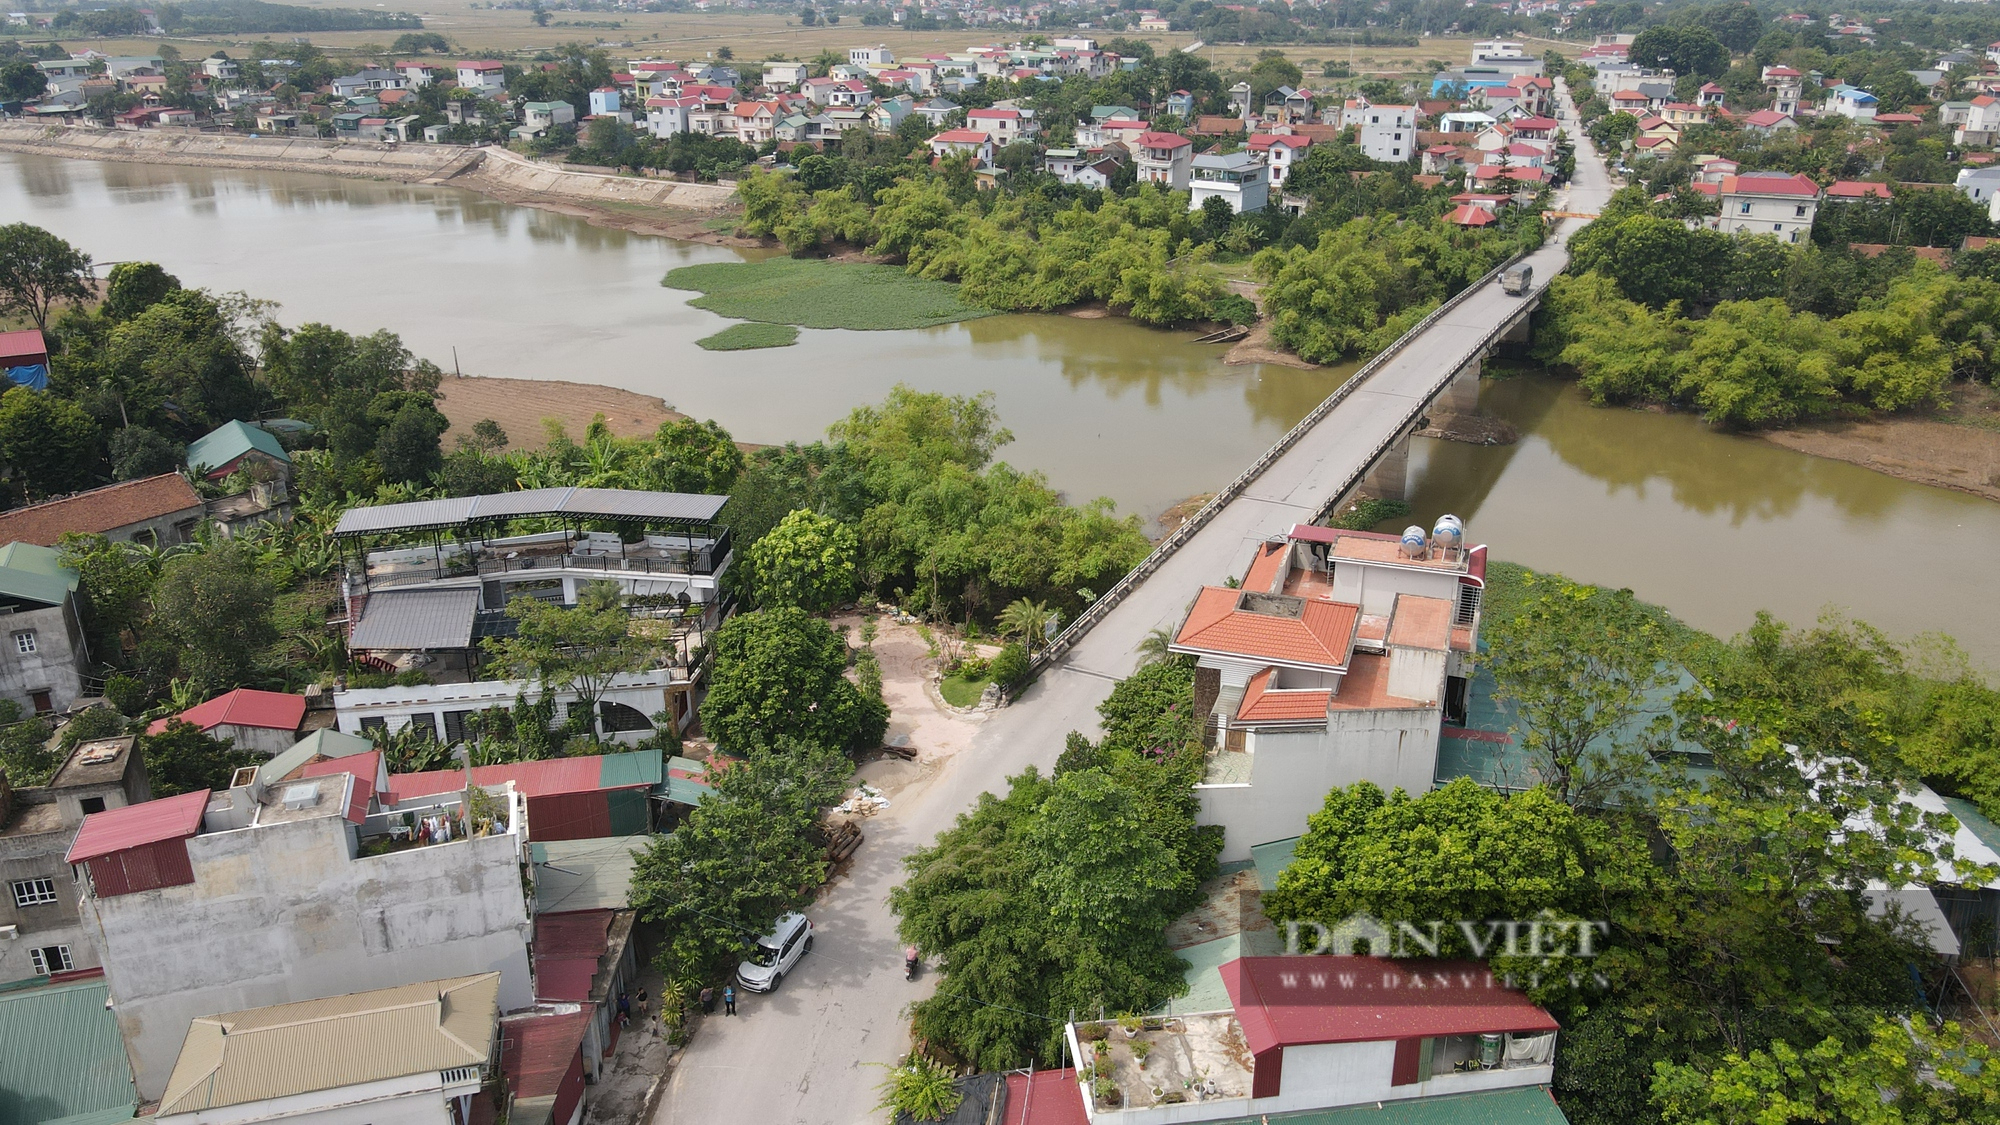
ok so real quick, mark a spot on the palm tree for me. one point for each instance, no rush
(1154, 649)
(1027, 620)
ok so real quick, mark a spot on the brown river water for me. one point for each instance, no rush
(1712, 526)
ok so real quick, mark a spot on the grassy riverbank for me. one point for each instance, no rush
(820, 294)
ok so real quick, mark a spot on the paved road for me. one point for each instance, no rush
(804, 1054)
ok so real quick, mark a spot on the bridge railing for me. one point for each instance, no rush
(1103, 606)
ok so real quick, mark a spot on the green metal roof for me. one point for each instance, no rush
(1271, 860)
(61, 1056)
(1521, 1105)
(1206, 992)
(33, 573)
(639, 767)
(330, 743)
(1975, 822)
(231, 440)
(586, 874)
(686, 781)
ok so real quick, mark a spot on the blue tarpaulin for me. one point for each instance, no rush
(35, 376)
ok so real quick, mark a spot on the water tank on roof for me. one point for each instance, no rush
(1447, 534)
(1415, 546)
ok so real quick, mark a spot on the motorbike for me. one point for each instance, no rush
(910, 962)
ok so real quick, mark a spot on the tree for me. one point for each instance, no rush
(47, 444)
(134, 287)
(1585, 672)
(139, 452)
(778, 673)
(25, 754)
(1903, 1073)
(807, 561)
(922, 1088)
(181, 759)
(21, 82)
(115, 582)
(1687, 50)
(742, 858)
(1027, 621)
(1655, 261)
(407, 448)
(37, 270)
(212, 616)
(575, 650)
(694, 457)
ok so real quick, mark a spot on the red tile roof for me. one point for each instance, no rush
(244, 707)
(961, 137)
(1293, 1001)
(1857, 189)
(99, 510)
(1162, 140)
(1046, 1097)
(1765, 118)
(1261, 704)
(132, 826)
(993, 115)
(1770, 183)
(1321, 636)
(1468, 215)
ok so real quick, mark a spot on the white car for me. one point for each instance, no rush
(776, 953)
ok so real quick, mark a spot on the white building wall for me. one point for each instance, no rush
(288, 912)
(1374, 588)
(1293, 771)
(1780, 218)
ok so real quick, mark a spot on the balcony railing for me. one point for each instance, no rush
(662, 556)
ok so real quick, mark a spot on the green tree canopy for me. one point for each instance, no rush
(778, 674)
(211, 617)
(807, 561)
(38, 270)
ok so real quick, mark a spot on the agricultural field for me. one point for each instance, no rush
(820, 294)
(476, 31)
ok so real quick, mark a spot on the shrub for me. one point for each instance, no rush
(1010, 667)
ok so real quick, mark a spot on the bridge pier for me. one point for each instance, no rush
(1389, 477)
(1461, 395)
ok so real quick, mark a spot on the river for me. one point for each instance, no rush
(1712, 526)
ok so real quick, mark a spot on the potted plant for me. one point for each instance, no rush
(1131, 1026)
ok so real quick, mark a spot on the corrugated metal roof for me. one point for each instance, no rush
(330, 743)
(244, 707)
(687, 781)
(586, 874)
(406, 620)
(132, 826)
(231, 440)
(35, 574)
(61, 1055)
(545, 778)
(607, 503)
(340, 1041)
(540, 1051)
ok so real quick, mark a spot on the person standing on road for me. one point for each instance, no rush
(729, 1000)
(708, 1000)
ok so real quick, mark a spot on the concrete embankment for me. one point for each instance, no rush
(405, 163)
(617, 200)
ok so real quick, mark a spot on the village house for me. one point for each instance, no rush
(486, 77)
(1774, 203)
(1280, 153)
(414, 1053)
(952, 142)
(1852, 102)
(1166, 159)
(264, 721)
(935, 110)
(1981, 185)
(1979, 124)
(158, 511)
(1786, 87)
(272, 893)
(416, 73)
(1303, 1034)
(667, 116)
(43, 654)
(1240, 179)
(367, 81)
(41, 933)
(1005, 126)
(1388, 132)
(1335, 661)
(221, 68)
(1768, 122)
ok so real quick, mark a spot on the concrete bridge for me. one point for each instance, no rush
(803, 1055)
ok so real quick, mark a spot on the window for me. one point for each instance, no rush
(92, 805)
(24, 642)
(1799, 211)
(34, 892)
(51, 959)
(1743, 208)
